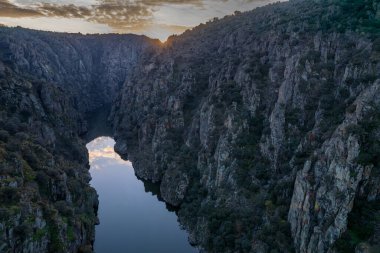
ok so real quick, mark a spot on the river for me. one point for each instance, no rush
(132, 219)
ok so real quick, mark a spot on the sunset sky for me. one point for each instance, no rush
(154, 18)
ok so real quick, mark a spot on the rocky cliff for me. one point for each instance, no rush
(261, 127)
(46, 201)
(50, 84)
(90, 68)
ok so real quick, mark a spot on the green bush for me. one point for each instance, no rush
(12, 125)
(64, 208)
(361, 224)
(9, 195)
(43, 181)
(4, 135)
(369, 146)
(22, 231)
(4, 213)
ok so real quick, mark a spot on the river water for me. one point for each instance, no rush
(132, 219)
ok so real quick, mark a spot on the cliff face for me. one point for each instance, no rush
(90, 68)
(50, 83)
(262, 127)
(256, 125)
(46, 201)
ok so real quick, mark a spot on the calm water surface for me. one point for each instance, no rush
(131, 219)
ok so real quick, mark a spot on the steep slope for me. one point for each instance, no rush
(92, 68)
(253, 125)
(50, 84)
(46, 201)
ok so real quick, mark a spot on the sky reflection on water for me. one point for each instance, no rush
(131, 220)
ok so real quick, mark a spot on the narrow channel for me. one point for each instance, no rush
(132, 219)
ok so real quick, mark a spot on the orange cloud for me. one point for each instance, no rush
(102, 148)
(155, 18)
(119, 15)
(10, 10)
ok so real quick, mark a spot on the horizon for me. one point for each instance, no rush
(156, 19)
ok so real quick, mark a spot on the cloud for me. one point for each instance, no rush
(167, 2)
(101, 149)
(121, 16)
(117, 14)
(63, 11)
(155, 18)
(155, 2)
(10, 10)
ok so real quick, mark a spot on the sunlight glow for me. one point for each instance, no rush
(101, 151)
(156, 19)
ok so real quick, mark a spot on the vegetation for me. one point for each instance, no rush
(361, 223)
(370, 147)
(360, 16)
(32, 170)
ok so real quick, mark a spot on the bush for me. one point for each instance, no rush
(4, 135)
(370, 146)
(4, 214)
(63, 208)
(9, 195)
(31, 158)
(355, 129)
(13, 125)
(43, 181)
(13, 146)
(361, 224)
(22, 136)
(85, 249)
(22, 231)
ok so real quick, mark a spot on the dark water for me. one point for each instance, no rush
(132, 219)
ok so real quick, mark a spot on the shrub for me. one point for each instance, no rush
(13, 125)
(4, 214)
(22, 136)
(9, 195)
(4, 135)
(22, 231)
(63, 208)
(31, 158)
(361, 224)
(43, 181)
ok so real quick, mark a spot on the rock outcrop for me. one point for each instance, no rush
(90, 68)
(47, 204)
(247, 124)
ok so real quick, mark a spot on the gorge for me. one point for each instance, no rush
(261, 128)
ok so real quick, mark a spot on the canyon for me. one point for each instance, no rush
(261, 128)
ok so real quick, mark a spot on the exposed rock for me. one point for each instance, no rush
(49, 83)
(242, 108)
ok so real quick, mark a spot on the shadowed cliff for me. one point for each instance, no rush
(55, 89)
